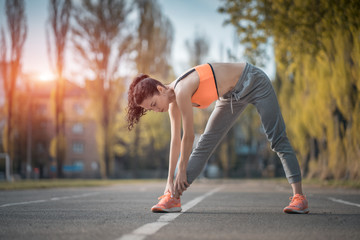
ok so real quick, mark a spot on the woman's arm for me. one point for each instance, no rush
(183, 100)
(175, 121)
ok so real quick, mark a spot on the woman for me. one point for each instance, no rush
(233, 86)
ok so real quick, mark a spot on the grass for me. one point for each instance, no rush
(334, 183)
(355, 184)
(66, 183)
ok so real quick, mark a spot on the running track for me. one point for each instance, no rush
(239, 209)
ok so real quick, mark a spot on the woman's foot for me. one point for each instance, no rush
(167, 203)
(298, 204)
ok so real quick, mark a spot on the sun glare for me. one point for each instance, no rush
(46, 76)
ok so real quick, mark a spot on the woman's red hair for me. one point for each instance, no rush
(141, 88)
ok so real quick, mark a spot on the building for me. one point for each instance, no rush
(81, 158)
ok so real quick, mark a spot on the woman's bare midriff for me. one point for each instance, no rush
(227, 75)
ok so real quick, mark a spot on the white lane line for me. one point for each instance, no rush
(22, 203)
(343, 202)
(151, 228)
(51, 199)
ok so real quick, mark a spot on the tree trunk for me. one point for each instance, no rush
(9, 131)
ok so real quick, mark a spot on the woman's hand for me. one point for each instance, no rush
(181, 183)
(170, 187)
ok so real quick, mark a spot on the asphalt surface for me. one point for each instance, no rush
(241, 209)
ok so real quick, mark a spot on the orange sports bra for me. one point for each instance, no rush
(207, 92)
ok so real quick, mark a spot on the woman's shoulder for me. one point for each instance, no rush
(185, 74)
(185, 80)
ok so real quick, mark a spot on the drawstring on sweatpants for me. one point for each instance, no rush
(237, 98)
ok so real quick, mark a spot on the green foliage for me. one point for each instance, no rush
(318, 78)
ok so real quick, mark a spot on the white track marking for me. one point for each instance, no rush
(151, 228)
(48, 200)
(344, 202)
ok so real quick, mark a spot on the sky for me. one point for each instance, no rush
(186, 16)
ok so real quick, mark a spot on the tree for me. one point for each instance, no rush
(154, 40)
(10, 59)
(317, 54)
(250, 18)
(59, 26)
(101, 41)
(152, 49)
(198, 49)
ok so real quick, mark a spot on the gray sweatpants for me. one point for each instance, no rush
(253, 87)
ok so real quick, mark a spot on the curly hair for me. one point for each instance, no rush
(141, 88)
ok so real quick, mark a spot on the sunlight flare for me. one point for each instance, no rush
(46, 76)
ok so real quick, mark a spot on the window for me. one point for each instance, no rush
(78, 128)
(78, 108)
(78, 166)
(78, 147)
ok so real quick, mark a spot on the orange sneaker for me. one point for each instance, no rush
(298, 204)
(167, 204)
